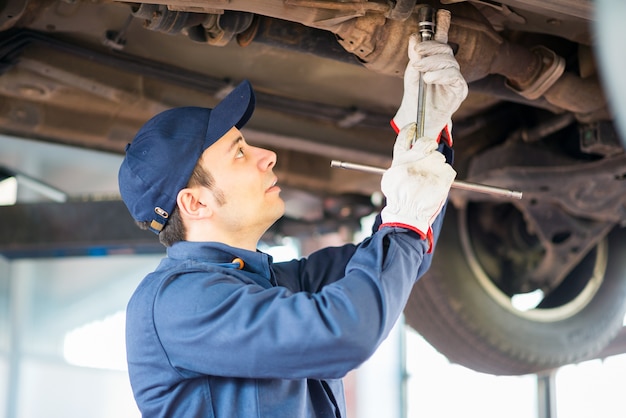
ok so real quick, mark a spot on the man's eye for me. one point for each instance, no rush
(239, 153)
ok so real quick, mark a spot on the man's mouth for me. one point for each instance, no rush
(273, 185)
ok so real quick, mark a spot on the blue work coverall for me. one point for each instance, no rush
(205, 339)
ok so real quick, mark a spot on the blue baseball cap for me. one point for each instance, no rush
(161, 158)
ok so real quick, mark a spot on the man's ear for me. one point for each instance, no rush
(190, 204)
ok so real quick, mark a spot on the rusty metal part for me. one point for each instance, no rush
(534, 73)
(536, 259)
(364, 30)
(543, 129)
(483, 52)
(214, 29)
(363, 37)
(577, 95)
(600, 138)
(20, 12)
(10, 12)
(569, 205)
(220, 29)
(551, 70)
(401, 9)
(160, 18)
(360, 6)
(594, 190)
(296, 37)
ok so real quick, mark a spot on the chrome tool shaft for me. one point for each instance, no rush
(426, 30)
(457, 184)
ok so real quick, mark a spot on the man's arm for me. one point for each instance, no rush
(328, 265)
(223, 325)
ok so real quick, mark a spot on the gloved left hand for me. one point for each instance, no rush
(416, 185)
(445, 87)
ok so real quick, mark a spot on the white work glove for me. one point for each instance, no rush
(445, 87)
(416, 185)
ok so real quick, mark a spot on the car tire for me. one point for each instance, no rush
(468, 319)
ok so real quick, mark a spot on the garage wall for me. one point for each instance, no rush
(51, 298)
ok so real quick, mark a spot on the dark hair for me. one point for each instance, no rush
(174, 230)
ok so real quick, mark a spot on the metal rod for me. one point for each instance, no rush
(457, 184)
(426, 31)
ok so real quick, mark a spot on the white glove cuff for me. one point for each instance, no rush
(425, 236)
(418, 225)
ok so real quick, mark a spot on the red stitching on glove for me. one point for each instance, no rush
(427, 236)
(445, 133)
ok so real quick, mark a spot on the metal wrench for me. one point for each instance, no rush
(457, 184)
(426, 31)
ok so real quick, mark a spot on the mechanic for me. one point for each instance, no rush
(218, 329)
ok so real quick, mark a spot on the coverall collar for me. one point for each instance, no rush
(215, 252)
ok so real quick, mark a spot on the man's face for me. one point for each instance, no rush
(244, 174)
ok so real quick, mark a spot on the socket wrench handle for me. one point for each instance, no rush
(426, 29)
(457, 184)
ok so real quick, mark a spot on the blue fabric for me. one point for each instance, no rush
(205, 340)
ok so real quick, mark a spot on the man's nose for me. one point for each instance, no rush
(267, 159)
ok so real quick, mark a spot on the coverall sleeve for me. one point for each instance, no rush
(328, 265)
(218, 325)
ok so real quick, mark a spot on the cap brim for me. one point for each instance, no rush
(233, 111)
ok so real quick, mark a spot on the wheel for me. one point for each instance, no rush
(466, 305)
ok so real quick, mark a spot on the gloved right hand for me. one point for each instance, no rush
(416, 185)
(446, 88)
